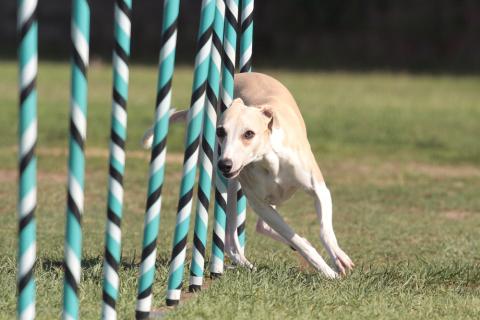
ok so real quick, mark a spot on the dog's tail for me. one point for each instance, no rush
(175, 116)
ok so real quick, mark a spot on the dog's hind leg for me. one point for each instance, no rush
(323, 206)
(263, 228)
(273, 219)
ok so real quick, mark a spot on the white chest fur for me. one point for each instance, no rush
(269, 186)
(274, 178)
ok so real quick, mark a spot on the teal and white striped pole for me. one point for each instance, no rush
(118, 135)
(27, 134)
(207, 151)
(229, 47)
(80, 32)
(246, 41)
(194, 129)
(157, 160)
(246, 37)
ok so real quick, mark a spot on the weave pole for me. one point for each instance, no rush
(207, 151)
(246, 41)
(246, 37)
(229, 47)
(80, 32)
(157, 161)
(194, 128)
(27, 161)
(118, 135)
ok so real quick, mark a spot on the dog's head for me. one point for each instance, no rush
(243, 133)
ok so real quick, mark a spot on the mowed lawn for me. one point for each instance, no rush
(400, 153)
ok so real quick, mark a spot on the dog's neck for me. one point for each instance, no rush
(268, 160)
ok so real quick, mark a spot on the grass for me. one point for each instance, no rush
(399, 152)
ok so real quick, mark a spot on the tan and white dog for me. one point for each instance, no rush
(264, 145)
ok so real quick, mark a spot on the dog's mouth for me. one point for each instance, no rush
(232, 174)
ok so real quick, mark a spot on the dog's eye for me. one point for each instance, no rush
(221, 133)
(249, 134)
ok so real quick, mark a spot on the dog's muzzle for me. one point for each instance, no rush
(225, 166)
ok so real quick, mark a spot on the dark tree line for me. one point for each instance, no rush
(430, 35)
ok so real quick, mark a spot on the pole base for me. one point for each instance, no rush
(171, 303)
(141, 314)
(194, 288)
(215, 275)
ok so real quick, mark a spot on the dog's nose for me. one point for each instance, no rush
(225, 165)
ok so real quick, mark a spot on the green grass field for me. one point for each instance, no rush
(400, 153)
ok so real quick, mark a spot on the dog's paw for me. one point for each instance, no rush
(239, 260)
(330, 274)
(343, 262)
(243, 262)
(246, 265)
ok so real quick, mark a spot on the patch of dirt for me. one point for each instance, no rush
(444, 171)
(457, 214)
(53, 177)
(12, 176)
(61, 176)
(186, 295)
(8, 175)
(103, 153)
(393, 172)
(362, 168)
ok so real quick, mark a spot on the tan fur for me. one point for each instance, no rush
(258, 89)
(274, 164)
(271, 165)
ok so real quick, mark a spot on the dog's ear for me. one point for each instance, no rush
(238, 100)
(268, 112)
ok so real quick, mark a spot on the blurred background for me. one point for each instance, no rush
(411, 35)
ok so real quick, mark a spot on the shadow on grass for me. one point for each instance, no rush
(92, 263)
(412, 276)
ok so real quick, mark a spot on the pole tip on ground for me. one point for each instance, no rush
(194, 288)
(215, 275)
(141, 314)
(172, 303)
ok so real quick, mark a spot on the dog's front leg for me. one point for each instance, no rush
(273, 219)
(232, 245)
(323, 206)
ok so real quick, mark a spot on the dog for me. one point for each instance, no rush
(264, 146)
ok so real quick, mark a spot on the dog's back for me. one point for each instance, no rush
(258, 88)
